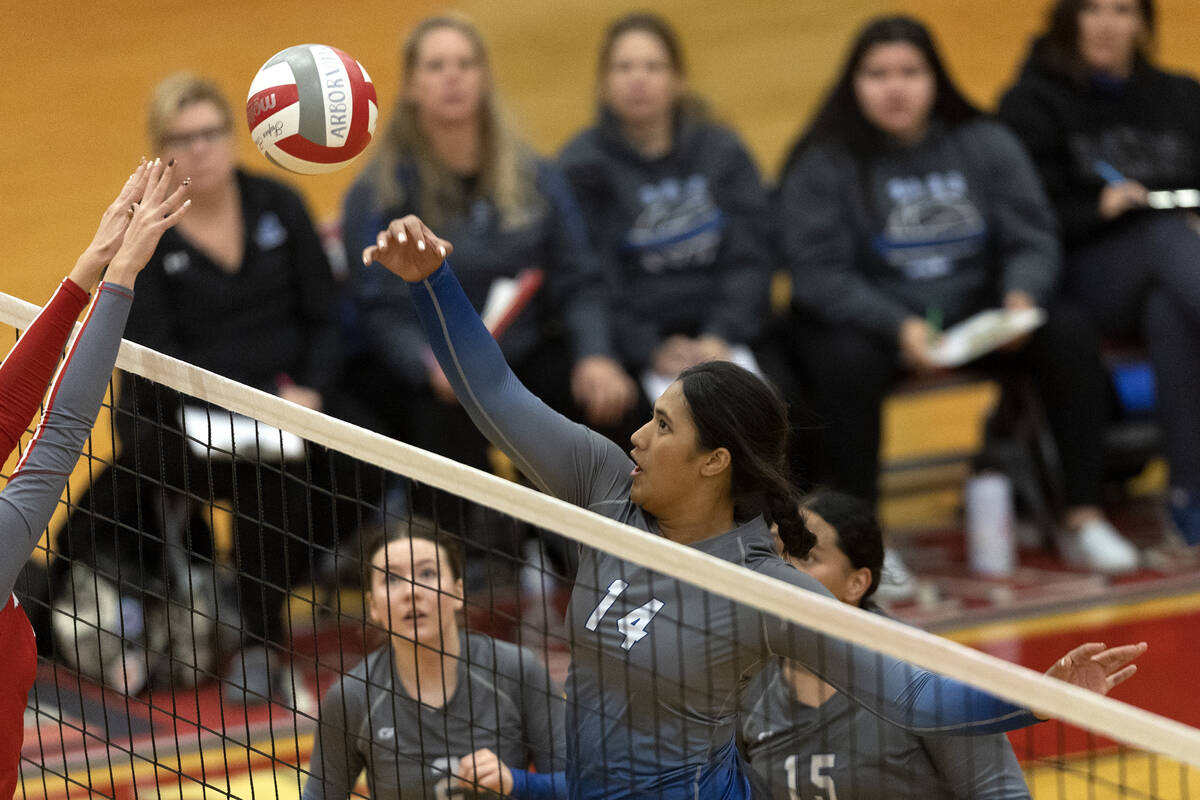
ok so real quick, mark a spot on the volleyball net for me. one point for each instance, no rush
(233, 581)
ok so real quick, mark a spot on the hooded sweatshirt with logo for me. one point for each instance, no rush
(948, 225)
(684, 236)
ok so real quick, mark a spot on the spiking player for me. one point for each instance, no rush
(658, 664)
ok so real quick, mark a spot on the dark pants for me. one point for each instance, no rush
(1141, 281)
(851, 372)
(284, 514)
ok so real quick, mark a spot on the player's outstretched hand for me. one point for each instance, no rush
(150, 215)
(1096, 667)
(409, 249)
(483, 770)
(111, 231)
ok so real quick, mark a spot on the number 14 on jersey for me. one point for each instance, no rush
(632, 625)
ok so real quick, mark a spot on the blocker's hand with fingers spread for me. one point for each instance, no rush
(111, 232)
(151, 215)
(409, 249)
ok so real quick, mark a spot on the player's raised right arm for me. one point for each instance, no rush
(563, 458)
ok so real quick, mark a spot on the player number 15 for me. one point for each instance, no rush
(816, 774)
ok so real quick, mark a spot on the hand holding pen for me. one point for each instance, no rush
(1119, 193)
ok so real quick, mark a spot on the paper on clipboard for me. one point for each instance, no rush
(982, 333)
(216, 433)
(1174, 198)
(507, 297)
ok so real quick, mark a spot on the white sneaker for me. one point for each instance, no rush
(1098, 546)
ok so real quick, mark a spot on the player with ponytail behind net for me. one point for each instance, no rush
(658, 664)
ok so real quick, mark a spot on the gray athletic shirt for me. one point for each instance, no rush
(504, 701)
(658, 664)
(841, 749)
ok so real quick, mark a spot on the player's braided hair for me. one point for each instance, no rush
(737, 410)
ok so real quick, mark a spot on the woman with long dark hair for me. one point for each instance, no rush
(798, 732)
(1106, 126)
(901, 207)
(657, 663)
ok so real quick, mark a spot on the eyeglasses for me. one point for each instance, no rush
(186, 139)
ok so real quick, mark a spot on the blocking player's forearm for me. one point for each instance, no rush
(32, 493)
(29, 365)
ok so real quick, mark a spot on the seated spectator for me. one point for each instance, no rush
(464, 714)
(242, 288)
(795, 726)
(1106, 127)
(901, 203)
(674, 205)
(451, 155)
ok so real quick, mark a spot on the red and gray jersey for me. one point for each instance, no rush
(29, 498)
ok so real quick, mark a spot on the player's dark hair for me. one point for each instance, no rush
(689, 104)
(840, 118)
(858, 533)
(735, 409)
(1061, 39)
(448, 545)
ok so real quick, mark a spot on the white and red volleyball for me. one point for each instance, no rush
(311, 109)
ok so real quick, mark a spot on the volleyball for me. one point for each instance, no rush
(311, 109)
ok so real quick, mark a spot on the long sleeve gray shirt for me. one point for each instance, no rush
(31, 495)
(658, 664)
(504, 700)
(840, 748)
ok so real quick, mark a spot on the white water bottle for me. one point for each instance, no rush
(991, 539)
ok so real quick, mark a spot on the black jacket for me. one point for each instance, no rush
(1147, 127)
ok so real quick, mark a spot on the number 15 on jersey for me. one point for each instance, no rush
(632, 625)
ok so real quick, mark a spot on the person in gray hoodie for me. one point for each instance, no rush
(674, 206)
(902, 206)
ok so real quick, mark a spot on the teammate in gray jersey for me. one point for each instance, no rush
(806, 740)
(437, 712)
(658, 664)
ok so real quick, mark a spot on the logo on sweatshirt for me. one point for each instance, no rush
(176, 262)
(679, 226)
(932, 225)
